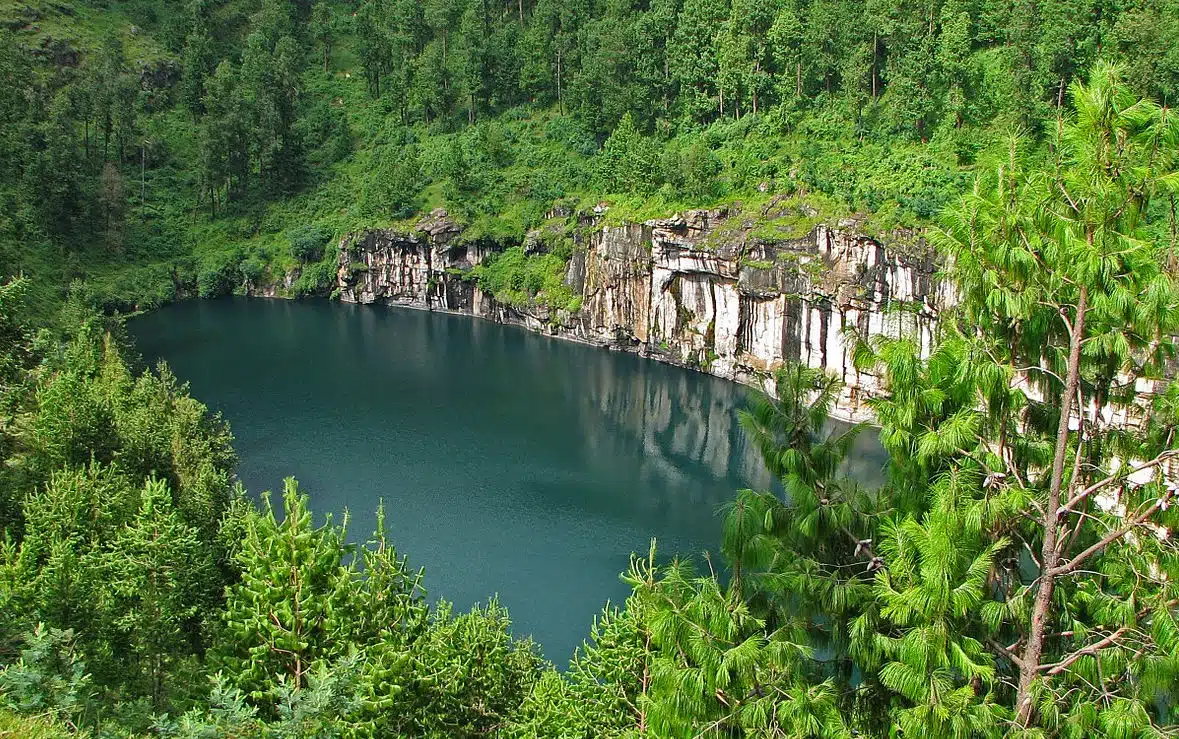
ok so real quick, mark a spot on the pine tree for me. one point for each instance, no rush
(1065, 315)
(292, 609)
(159, 577)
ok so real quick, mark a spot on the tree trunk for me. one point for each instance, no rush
(1029, 665)
(875, 46)
(143, 181)
(560, 103)
(667, 83)
(753, 88)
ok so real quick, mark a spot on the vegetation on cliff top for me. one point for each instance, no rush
(150, 150)
(153, 149)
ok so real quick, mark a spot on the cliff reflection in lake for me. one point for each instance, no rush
(510, 463)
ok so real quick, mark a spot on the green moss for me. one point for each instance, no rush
(755, 264)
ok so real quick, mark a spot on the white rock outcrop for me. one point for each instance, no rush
(700, 290)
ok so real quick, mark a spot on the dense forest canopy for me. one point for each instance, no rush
(1016, 573)
(159, 148)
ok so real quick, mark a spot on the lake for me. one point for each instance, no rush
(510, 463)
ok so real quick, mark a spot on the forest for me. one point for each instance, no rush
(1015, 574)
(208, 146)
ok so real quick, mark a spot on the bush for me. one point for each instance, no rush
(252, 270)
(629, 161)
(216, 275)
(308, 242)
(517, 279)
(394, 179)
(315, 279)
(572, 134)
(49, 679)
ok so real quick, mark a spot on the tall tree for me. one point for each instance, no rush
(159, 576)
(291, 609)
(323, 29)
(1066, 315)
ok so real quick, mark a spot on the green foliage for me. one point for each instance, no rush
(217, 275)
(291, 608)
(521, 280)
(628, 163)
(315, 279)
(988, 588)
(210, 131)
(396, 179)
(160, 575)
(49, 680)
(13, 724)
(308, 243)
(468, 675)
(602, 693)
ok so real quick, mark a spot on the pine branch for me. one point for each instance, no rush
(1160, 459)
(1008, 652)
(1056, 668)
(1105, 541)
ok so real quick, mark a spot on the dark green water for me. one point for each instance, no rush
(510, 463)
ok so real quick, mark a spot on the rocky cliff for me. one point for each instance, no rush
(704, 289)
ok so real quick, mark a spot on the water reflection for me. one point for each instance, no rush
(510, 463)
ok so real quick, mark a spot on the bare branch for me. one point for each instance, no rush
(1058, 667)
(1119, 475)
(1008, 652)
(1073, 564)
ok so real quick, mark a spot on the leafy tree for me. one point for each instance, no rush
(224, 155)
(323, 29)
(628, 160)
(693, 60)
(373, 43)
(953, 53)
(392, 190)
(786, 43)
(197, 63)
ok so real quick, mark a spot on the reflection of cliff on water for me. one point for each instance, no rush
(685, 425)
(509, 462)
(693, 452)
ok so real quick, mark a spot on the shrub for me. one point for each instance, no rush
(252, 270)
(629, 161)
(315, 279)
(216, 275)
(393, 181)
(308, 242)
(517, 279)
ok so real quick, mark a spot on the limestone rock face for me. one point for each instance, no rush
(415, 269)
(700, 289)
